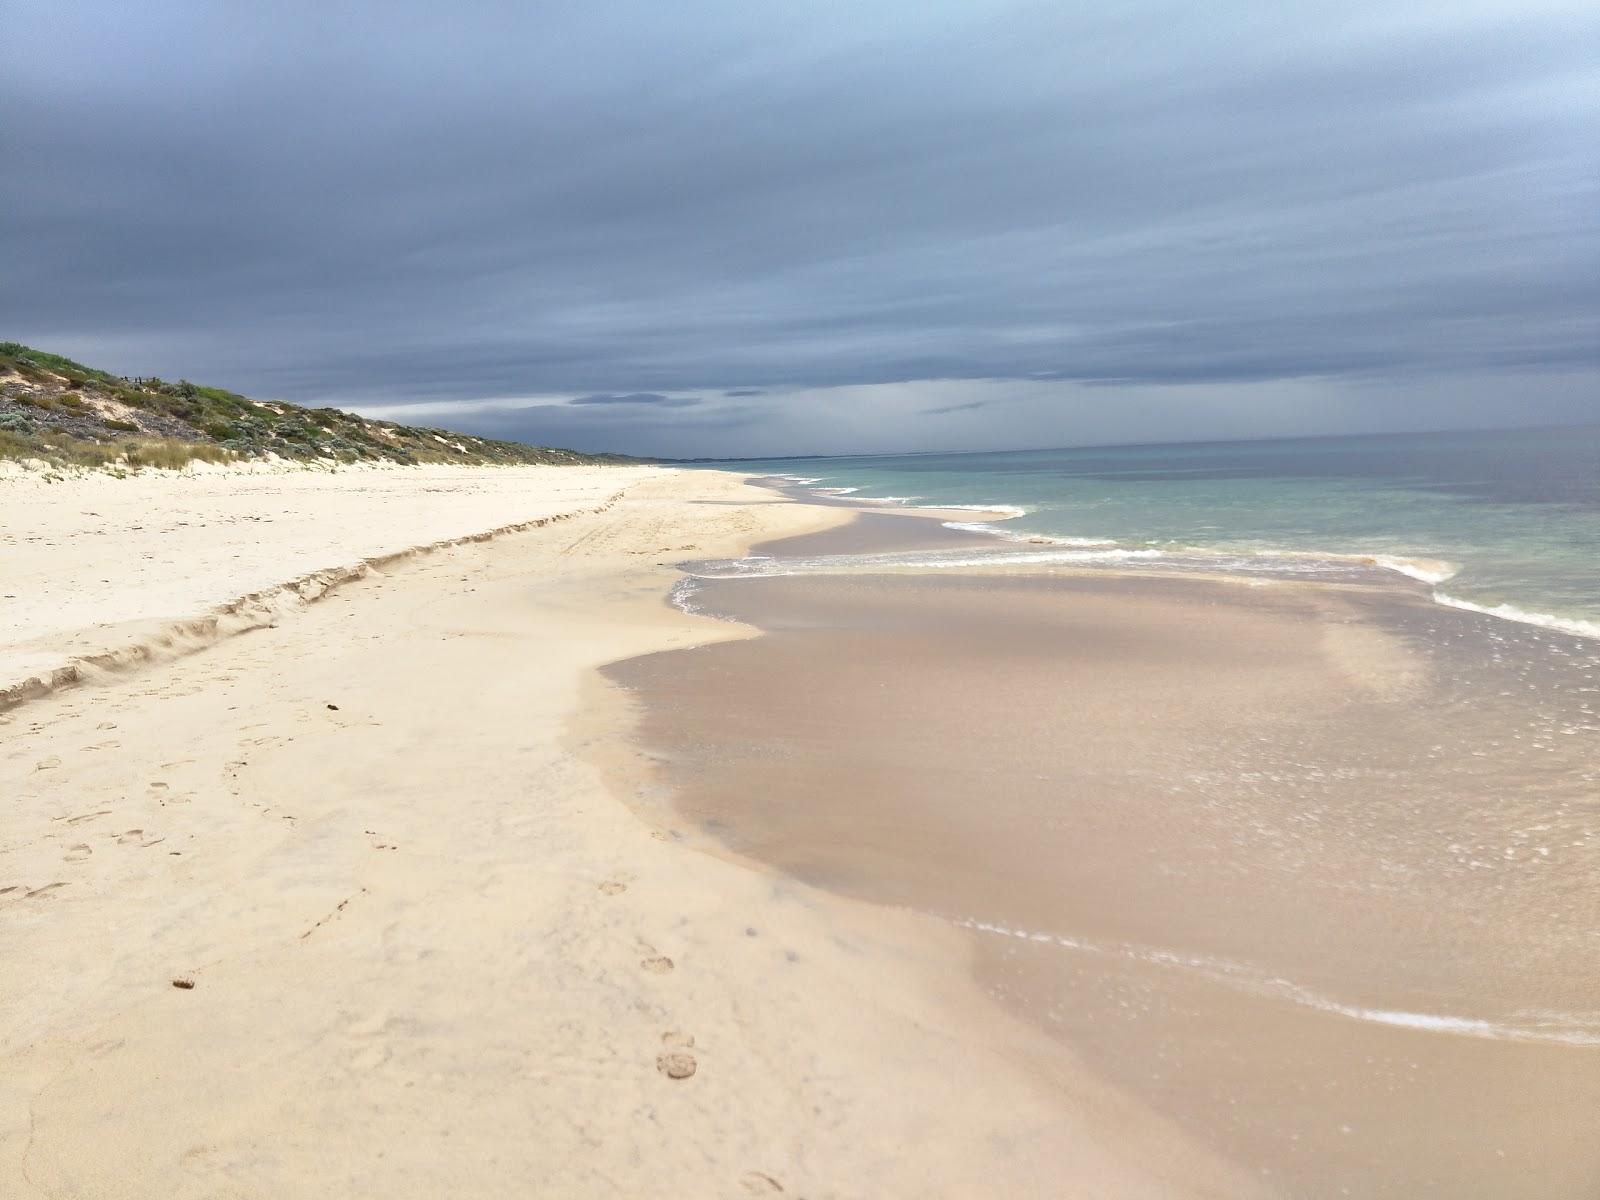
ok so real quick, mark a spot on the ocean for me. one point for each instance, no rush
(1306, 871)
(1505, 522)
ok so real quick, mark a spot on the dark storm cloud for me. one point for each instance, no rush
(638, 398)
(383, 204)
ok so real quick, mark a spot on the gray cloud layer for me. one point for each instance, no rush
(638, 398)
(380, 204)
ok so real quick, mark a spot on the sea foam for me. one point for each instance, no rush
(1105, 550)
(1423, 570)
(1022, 535)
(1002, 512)
(1510, 612)
(1567, 1029)
(682, 594)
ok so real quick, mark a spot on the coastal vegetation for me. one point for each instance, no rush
(66, 414)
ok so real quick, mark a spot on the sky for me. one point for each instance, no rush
(761, 229)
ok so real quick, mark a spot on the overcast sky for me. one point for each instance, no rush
(704, 228)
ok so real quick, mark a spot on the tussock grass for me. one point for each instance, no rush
(62, 450)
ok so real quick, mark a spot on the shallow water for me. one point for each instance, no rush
(1306, 868)
(1506, 521)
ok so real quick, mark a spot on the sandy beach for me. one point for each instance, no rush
(1290, 864)
(392, 834)
(104, 571)
(991, 601)
(431, 951)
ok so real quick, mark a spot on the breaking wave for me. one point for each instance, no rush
(1510, 612)
(1066, 551)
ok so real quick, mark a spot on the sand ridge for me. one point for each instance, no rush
(104, 573)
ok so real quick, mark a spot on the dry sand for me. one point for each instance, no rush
(430, 953)
(104, 570)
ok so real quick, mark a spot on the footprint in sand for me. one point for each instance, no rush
(656, 964)
(676, 1065)
(132, 835)
(369, 1058)
(759, 1183)
(78, 853)
(163, 795)
(613, 887)
(47, 764)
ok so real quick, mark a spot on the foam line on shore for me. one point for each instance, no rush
(1552, 1028)
(255, 610)
(1427, 571)
(1046, 552)
(1510, 612)
(1424, 570)
(681, 595)
(1019, 535)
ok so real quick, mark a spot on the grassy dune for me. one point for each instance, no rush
(67, 414)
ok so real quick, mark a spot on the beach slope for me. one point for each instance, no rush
(343, 905)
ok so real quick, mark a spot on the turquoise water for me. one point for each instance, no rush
(1506, 521)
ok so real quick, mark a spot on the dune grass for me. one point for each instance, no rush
(59, 410)
(62, 450)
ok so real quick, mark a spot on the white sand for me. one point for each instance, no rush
(101, 568)
(432, 954)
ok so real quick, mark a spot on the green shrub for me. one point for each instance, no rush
(230, 418)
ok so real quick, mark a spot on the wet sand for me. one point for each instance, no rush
(1306, 868)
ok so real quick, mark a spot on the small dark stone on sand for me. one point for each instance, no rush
(333, 708)
(185, 984)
